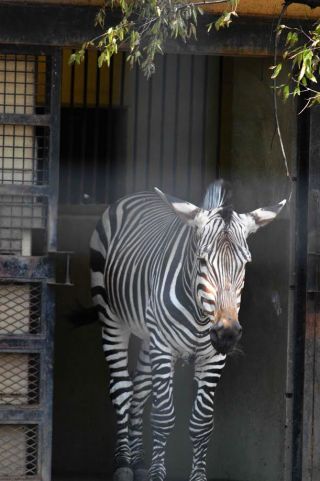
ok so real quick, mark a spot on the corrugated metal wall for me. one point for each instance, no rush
(122, 133)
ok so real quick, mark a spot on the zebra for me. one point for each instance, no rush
(171, 274)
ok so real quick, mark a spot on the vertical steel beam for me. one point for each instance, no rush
(298, 321)
(306, 319)
(54, 152)
(311, 404)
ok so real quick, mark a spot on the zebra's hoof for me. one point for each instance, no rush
(123, 474)
(141, 474)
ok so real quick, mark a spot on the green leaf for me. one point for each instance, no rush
(302, 71)
(286, 92)
(277, 70)
(296, 91)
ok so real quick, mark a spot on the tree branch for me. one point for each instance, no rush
(210, 2)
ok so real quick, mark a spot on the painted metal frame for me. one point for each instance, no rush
(37, 269)
(310, 337)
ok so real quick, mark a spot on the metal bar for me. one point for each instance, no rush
(190, 122)
(16, 415)
(300, 298)
(122, 81)
(220, 106)
(25, 119)
(176, 116)
(24, 268)
(82, 163)
(44, 300)
(311, 440)
(204, 153)
(111, 82)
(135, 129)
(24, 48)
(65, 25)
(148, 142)
(54, 150)
(108, 171)
(163, 94)
(288, 431)
(24, 189)
(97, 125)
(30, 478)
(69, 114)
(45, 429)
(22, 344)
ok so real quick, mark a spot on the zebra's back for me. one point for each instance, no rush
(128, 251)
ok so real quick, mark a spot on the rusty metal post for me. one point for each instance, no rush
(305, 368)
(311, 404)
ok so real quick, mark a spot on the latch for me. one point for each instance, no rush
(62, 261)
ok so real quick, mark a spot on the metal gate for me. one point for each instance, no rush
(29, 150)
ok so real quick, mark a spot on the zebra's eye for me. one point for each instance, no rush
(246, 255)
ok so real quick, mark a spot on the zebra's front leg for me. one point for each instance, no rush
(206, 376)
(162, 414)
(142, 387)
(115, 345)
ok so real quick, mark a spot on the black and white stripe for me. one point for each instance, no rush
(168, 272)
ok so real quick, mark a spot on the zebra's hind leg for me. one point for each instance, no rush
(142, 387)
(206, 376)
(115, 345)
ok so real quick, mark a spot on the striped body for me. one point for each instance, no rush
(150, 274)
(171, 274)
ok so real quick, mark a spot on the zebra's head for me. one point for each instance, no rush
(219, 254)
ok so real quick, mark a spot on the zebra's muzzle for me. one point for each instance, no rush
(224, 339)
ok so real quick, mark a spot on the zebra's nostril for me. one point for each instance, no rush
(224, 339)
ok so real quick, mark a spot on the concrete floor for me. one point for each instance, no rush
(100, 478)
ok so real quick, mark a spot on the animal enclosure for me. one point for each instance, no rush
(153, 149)
(203, 116)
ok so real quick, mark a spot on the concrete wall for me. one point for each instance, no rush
(249, 414)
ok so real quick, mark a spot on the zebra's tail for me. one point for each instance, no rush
(83, 316)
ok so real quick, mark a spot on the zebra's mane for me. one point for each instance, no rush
(219, 194)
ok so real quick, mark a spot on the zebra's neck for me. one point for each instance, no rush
(189, 273)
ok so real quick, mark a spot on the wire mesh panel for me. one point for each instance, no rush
(23, 154)
(19, 379)
(20, 308)
(18, 451)
(19, 215)
(24, 83)
(24, 89)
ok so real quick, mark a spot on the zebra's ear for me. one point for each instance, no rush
(260, 217)
(187, 212)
